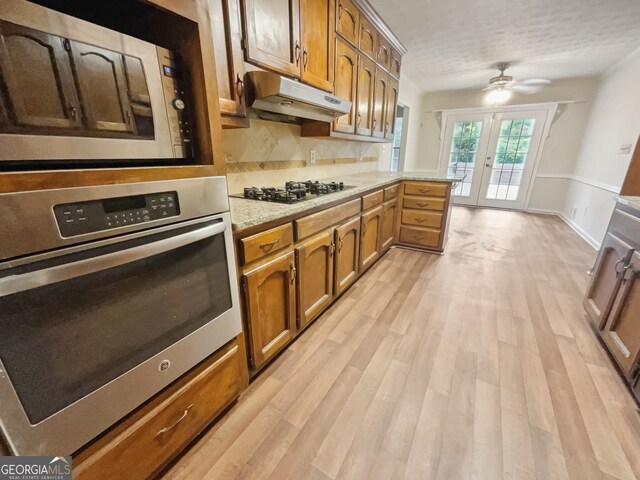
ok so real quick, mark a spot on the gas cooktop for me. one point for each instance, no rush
(293, 192)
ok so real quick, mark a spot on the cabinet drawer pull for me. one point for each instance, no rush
(374, 199)
(420, 220)
(422, 204)
(269, 245)
(424, 190)
(184, 415)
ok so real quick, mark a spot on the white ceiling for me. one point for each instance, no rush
(453, 43)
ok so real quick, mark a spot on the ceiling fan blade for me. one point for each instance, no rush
(535, 81)
(527, 89)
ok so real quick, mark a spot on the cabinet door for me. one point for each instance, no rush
(370, 237)
(36, 71)
(228, 52)
(271, 307)
(380, 96)
(346, 84)
(383, 56)
(622, 332)
(103, 88)
(396, 63)
(272, 35)
(607, 277)
(364, 94)
(387, 230)
(317, 28)
(347, 249)
(390, 111)
(348, 22)
(368, 38)
(315, 276)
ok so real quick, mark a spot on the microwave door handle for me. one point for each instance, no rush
(60, 273)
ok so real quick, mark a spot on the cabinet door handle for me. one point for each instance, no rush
(292, 268)
(73, 112)
(364, 228)
(339, 12)
(339, 244)
(239, 88)
(297, 53)
(359, 120)
(269, 245)
(332, 249)
(375, 122)
(128, 115)
(625, 266)
(305, 58)
(168, 429)
(386, 127)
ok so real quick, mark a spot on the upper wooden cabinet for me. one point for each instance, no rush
(396, 63)
(348, 21)
(315, 276)
(366, 86)
(346, 84)
(317, 29)
(226, 30)
(383, 56)
(270, 296)
(38, 79)
(368, 39)
(272, 35)
(380, 98)
(103, 88)
(392, 106)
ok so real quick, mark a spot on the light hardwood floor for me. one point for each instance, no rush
(476, 364)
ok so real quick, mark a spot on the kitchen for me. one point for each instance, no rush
(219, 257)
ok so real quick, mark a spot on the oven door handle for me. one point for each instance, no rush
(59, 273)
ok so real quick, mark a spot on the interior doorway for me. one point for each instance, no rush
(400, 139)
(496, 150)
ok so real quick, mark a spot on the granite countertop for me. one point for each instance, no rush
(249, 213)
(633, 202)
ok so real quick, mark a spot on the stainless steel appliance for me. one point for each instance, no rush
(75, 91)
(293, 191)
(107, 295)
(274, 93)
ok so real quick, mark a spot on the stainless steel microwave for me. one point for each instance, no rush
(73, 91)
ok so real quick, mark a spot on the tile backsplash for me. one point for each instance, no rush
(270, 153)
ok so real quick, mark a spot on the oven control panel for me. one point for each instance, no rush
(98, 215)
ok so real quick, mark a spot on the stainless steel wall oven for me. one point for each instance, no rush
(107, 295)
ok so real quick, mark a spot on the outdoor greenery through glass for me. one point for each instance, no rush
(464, 149)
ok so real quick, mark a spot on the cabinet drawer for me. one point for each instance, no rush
(421, 218)
(626, 225)
(391, 192)
(311, 224)
(426, 188)
(423, 237)
(372, 200)
(266, 243)
(424, 203)
(146, 442)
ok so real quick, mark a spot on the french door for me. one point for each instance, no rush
(496, 152)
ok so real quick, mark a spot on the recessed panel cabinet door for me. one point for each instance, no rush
(317, 28)
(368, 38)
(380, 97)
(366, 85)
(622, 332)
(36, 70)
(387, 228)
(348, 23)
(370, 237)
(392, 105)
(271, 307)
(607, 277)
(347, 248)
(315, 276)
(229, 59)
(346, 84)
(103, 88)
(272, 33)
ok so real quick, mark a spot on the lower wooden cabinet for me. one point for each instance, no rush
(270, 296)
(370, 237)
(315, 276)
(607, 277)
(145, 442)
(387, 229)
(622, 331)
(346, 258)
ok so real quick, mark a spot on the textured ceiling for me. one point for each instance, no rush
(453, 43)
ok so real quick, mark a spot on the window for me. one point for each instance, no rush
(397, 140)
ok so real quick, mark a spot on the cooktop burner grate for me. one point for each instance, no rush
(292, 192)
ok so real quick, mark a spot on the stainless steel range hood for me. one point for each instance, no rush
(273, 93)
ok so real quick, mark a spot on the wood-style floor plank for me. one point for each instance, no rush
(477, 364)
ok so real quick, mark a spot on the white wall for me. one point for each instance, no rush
(411, 96)
(600, 170)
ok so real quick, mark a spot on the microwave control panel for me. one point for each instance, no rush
(175, 103)
(98, 215)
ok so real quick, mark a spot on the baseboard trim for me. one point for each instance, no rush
(584, 235)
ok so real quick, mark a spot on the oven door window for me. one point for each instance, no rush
(60, 342)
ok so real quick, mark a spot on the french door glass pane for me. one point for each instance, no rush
(464, 150)
(511, 154)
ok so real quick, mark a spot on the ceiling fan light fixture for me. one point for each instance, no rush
(498, 96)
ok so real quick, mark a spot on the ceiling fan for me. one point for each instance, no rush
(502, 87)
